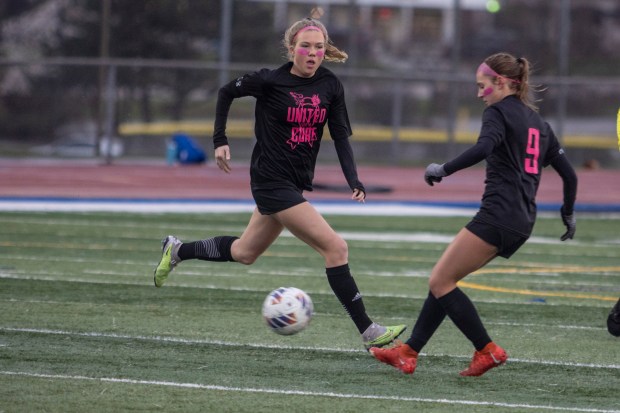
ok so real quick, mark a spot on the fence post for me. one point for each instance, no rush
(110, 117)
(225, 40)
(564, 46)
(397, 119)
(453, 90)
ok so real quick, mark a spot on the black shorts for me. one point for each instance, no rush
(272, 200)
(507, 242)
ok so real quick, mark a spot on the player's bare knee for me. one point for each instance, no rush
(246, 259)
(437, 286)
(339, 251)
(440, 287)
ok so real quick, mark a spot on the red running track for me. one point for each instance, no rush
(155, 180)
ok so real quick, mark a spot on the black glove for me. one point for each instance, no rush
(434, 173)
(570, 222)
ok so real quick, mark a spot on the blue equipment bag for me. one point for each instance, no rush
(188, 150)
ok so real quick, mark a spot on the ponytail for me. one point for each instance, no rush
(517, 71)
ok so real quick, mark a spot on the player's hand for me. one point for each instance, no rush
(570, 222)
(359, 195)
(222, 157)
(434, 173)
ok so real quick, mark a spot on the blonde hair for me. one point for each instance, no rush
(516, 69)
(332, 53)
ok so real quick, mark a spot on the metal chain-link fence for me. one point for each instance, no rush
(409, 80)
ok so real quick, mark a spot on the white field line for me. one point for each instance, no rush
(517, 262)
(200, 206)
(198, 270)
(370, 208)
(532, 277)
(308, 393)
(281, 347)
(401, 318)
(378, 237)
(428, 237)
(500, 265)
(312, 393)
(28, 276)
(371, 236)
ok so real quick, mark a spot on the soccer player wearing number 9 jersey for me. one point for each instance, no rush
(516, 144)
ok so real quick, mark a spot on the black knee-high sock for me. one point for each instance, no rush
(430, 318)
(212, 249)
(343, 285)
(463, 314)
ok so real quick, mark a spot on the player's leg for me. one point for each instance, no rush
(261, 232)
(305, 222)
(450, 268)
(613, 320)
(430, 318)
(466, 254)
(169, 259)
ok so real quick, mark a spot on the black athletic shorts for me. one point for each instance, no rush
(272, 200)
(507, 242)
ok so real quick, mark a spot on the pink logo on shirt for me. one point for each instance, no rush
(306, 114)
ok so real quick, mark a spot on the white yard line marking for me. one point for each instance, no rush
(14, 275)
(279, 347)
(190, 206)
(307, 393)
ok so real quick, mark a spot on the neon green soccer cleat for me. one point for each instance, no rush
(169, 260)
(390, 334)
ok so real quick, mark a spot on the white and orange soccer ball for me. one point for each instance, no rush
(287, 310)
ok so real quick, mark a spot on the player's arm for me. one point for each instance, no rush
(569, 178)
(247, 85)
(483, 148)
(477, 153)
(340, 130)
(347, 163)
(492, 132)
(556, 157)
(225, 97)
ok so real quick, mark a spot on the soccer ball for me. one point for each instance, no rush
(287, 310)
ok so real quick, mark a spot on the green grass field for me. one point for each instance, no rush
(84, 329)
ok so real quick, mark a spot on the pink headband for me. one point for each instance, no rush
(303, 29)
(486, 70)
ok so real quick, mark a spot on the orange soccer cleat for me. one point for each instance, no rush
(400, 356)
(490, 356)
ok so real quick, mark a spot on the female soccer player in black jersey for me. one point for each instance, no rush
(516, 144)
(293, 104)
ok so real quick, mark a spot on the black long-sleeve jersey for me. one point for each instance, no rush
(516, 143)
(290, 115)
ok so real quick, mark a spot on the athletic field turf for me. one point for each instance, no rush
(84, 329)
